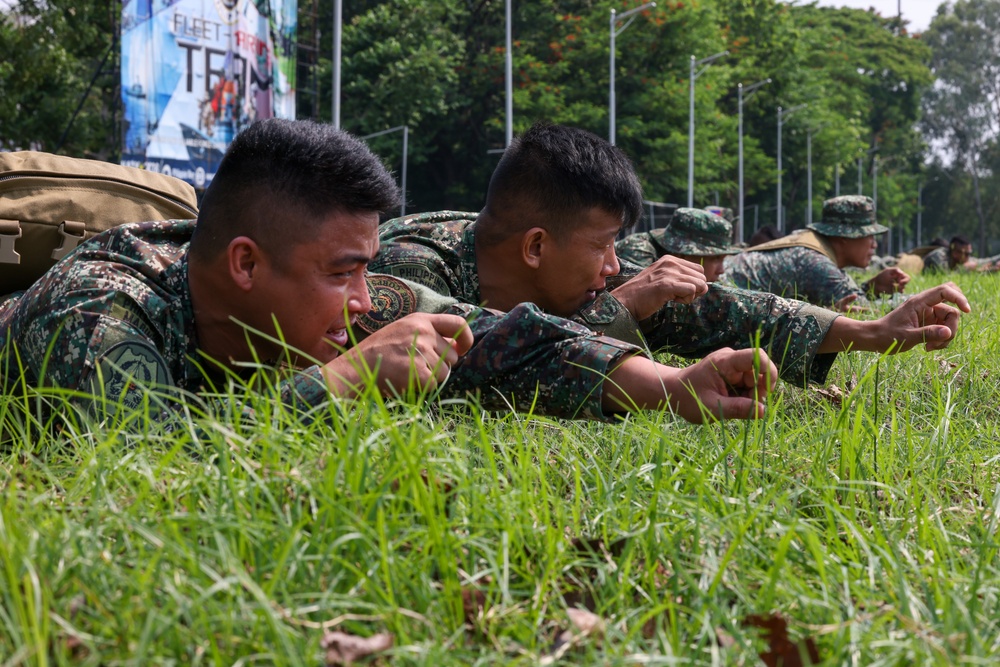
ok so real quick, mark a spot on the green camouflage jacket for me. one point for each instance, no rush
(115, 318)
(639, 249)
(438, 250)
(797, 272)
(937, 261)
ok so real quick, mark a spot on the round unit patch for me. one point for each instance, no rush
(391, 300)
(130, 369)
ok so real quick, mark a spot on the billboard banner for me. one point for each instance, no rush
(195, 72)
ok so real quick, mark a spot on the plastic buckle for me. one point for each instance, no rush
(10, 232)
(72, 234)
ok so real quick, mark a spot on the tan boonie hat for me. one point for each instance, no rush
(850, 216)
(693, 231)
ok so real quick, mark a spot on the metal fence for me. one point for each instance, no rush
(655, 215)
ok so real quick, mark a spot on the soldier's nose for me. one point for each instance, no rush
(613, 266)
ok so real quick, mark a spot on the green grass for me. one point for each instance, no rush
(231, 541)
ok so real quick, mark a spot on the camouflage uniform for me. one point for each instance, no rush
(438, 250)
(691, 232)
(937, 261)
(116, 317)
(794, 266)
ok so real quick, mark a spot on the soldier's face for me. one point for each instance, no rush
(574, 269)
(320, 288)
(711, 264)
(960, 254)
(857, 252)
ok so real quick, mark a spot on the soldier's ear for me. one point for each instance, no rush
(533, 244)
(243, 259)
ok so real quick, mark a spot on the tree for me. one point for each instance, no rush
(59, 93)
(963, 108)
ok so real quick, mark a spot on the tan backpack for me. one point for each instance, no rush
(50, 203)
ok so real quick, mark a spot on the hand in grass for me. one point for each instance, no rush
(924, 318)
(727, 384)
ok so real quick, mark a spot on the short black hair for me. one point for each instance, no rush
(959, 240)
(549, 175)
(939, 241)
(281, 178)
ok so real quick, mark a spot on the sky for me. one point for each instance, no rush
(918, 12)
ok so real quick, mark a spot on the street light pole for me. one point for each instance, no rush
(337, 29)
(509, 82)
(809, 177)
(615, 18)
(888, 241)
(406, 140)
(781, 114)
(739, 94)
(809, 171)
(694, 75)
(920, 209)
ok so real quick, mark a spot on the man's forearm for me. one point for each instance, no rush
(850, 334)
(639, 383)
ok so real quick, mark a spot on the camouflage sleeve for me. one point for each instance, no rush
(531, 361)
(790, 331)
(637, 249)
(525, 359)
(305, 389)
(819, 281)
(607, 316)
(111, 358)
(936, 261)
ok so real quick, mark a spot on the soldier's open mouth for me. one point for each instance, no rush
(338, 337)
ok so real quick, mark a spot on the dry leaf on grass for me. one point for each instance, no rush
(781, 649)
(724, 639)
(344, 649)
(473, 604)
(586, 624)
(832, 393)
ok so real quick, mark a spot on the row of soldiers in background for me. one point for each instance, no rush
(940, 256)
(807, 263)
(556, 202)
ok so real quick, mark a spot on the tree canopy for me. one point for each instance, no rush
(907, 108)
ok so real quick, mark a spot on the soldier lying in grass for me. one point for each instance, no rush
(556, 203)
(274, 270)
(699, 236)
(809, 264)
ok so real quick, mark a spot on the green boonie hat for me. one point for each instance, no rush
(850, 216)
(693, 231)
(726, 213)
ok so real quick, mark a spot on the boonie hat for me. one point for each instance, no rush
(850, 216)
(693, 231)
(726, 213)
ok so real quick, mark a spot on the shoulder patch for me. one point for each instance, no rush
(417, 272)
(128, 371)
(391, 300)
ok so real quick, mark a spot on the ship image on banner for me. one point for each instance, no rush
(196, 72)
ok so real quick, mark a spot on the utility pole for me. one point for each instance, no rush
(694, 75)
(615, 31)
